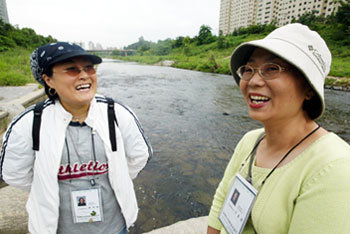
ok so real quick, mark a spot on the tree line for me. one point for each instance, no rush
(335, 29)
(12, 37)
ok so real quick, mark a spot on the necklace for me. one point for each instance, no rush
(252, 156)
(92, 181)
(77, 118)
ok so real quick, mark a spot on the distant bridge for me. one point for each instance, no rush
(109, 52)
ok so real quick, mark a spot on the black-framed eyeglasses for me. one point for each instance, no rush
(268, 71)
(75, 71)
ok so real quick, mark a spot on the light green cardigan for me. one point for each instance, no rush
(310, 194)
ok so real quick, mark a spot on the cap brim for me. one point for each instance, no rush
(93, 58)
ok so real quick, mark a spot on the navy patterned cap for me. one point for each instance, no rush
(52, 53)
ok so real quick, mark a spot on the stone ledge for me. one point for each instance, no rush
(13, 215)
(32, 98)
(9, 110)
(3, 121)
(191, 226)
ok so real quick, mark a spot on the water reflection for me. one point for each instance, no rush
(193, 121)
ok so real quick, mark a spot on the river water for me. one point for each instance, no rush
(193, 121)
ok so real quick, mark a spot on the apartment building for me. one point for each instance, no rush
(3, 11)
(266, 11)
(290, 9)
(242, 13)
(235, 14)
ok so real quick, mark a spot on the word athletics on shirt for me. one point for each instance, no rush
(75, 171)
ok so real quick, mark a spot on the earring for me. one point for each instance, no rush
(309, 95)
(52, 92)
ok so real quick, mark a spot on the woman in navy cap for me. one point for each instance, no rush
(75, 157)
(292, 175)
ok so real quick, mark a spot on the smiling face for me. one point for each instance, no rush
(278, 99)
(73, 91)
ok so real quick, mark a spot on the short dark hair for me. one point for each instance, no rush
(311, 107)
(49, 73)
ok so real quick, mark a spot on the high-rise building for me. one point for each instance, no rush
(3, 11)
(235, 14)
(91, 45)
(296, 8)
(242, 13)
(80, 43)
(98, 46)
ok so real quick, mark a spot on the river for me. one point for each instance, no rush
(193, 121)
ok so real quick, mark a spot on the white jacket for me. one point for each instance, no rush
(37, 171)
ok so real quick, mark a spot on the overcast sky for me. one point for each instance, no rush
(114, 23)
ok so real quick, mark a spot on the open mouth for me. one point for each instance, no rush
(257, 99)
(83, 87)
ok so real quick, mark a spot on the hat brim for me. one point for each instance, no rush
(93, 58)
(288, 52)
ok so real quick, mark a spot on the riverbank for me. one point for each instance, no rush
(15, 68)
(331, 82)
(221, 66)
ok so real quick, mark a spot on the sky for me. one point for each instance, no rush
(114, 23)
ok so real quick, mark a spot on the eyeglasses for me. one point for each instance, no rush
(75, 71)
(268, 71)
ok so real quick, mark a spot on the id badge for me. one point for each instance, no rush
(238, 205)
(87, 205)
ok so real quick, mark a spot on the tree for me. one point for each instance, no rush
(26, 37)
(205, 36)
(162, 47)
(178, 42)
(343, 14)
(222, 42)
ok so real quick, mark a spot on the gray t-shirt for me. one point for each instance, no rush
(79, 145)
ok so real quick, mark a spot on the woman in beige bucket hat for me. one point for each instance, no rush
(292, 176)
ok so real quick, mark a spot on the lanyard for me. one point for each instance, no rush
(252, 156)
(92, 181)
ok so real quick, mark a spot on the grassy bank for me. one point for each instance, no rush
(15, 68)
(210, 53)
(208, 58)
(215, 63)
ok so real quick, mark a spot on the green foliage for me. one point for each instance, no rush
(340, 66)
(11, 37)
(209, 53)
(255, 29)
(343, 14)
(334, 29)
(222, 41)
(209, 64)
(6, 43)
(205, 36)
(116, 53)
(310, 19)
(162, 47)
(15, 68)
(142, 45)
(178, 42)
(337, 81)
(15, 47)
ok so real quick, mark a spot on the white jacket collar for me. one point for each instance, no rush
(65, 115)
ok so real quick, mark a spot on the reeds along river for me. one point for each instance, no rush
(193, 121)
